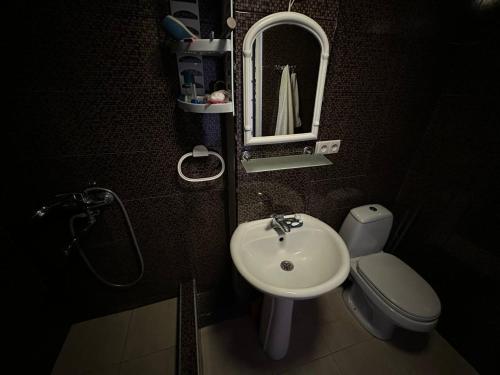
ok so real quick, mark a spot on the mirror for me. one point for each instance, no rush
(285, 56)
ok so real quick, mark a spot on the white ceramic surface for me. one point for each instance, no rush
(378, 316)
(319, 255)
(385, 293)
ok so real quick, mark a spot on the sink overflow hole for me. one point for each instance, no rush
(286, 265)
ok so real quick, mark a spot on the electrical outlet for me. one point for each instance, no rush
(334, 146)
(327, 147)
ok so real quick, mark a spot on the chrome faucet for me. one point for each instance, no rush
(282, 224)
(85, 201)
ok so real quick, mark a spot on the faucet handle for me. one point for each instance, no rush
(278, 217)
(41, 212)
(294, 221)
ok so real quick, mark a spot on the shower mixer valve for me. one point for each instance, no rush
(83, 201)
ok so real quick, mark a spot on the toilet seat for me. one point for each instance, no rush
(399, 286)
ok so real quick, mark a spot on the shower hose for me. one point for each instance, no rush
(90, 216)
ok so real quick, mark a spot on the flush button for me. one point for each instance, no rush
(373, 208)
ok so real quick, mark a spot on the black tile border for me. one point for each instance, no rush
(188, 349)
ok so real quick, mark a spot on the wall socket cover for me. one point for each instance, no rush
(327, 147)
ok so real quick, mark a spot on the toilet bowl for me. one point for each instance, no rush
(384, 292)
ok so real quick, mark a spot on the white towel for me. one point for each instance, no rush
(284, 120)
(295, 95)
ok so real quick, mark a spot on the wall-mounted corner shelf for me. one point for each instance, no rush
(205, 108)
(205, 46)
(190, 56)
(277, 163)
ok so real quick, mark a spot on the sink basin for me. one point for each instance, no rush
(306, 262)
(316, 253)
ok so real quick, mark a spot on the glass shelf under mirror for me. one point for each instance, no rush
(285, 162)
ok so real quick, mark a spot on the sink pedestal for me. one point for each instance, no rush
(310, 261)
(275, 325)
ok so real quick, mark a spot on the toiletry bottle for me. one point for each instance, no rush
(194, 96)
(188, 83)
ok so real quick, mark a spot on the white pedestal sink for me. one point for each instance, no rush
(309, 261)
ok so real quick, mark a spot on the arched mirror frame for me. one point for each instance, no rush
(275, 19)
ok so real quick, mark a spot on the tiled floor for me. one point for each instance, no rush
(326, 339)
(140, 341)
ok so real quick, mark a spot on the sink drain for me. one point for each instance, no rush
(286, 265)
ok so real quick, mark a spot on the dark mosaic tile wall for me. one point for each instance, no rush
(378, 98)
(95, 101)
(453, 188)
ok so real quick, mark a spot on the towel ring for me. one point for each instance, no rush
(200, 151)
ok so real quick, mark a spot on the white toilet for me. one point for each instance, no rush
(385, 292)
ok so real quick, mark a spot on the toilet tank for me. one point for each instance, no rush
(366, 229)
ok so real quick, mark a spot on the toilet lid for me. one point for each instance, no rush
(400, 285)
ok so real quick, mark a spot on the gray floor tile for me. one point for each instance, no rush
(325, 309)
(435, 356)
(344, 333)
(232, 347)
(322, 366)
(152, 328)
(369, 357)
(93, 344)
(106, 370)
(319, 344)
(337, 304)
(160, 363)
